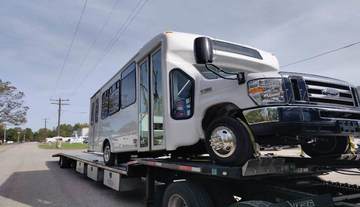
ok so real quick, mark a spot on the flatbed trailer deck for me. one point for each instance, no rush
(268, 180)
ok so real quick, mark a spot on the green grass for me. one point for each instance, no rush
(63, 146)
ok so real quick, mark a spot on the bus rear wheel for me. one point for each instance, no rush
(109, 157)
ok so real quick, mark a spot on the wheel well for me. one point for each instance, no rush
(218, 110)
(105, 141)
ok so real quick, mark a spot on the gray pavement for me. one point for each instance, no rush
(29, 176)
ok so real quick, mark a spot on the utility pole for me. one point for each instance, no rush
(24, 137)
(45, 120)
(60, 102)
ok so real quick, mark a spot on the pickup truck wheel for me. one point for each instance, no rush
(228, 141)
(109, 157)
(186, 194)
(326, 146)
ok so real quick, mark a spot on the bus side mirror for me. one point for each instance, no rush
(203, 50)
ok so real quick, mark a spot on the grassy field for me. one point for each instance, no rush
(63, 146)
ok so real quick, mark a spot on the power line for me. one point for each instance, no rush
(71, 46)
(124, 27)
(113, 41)
(319, 55)
(79, 112)
(97, 36)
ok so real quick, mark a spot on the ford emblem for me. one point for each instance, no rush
(330, 92)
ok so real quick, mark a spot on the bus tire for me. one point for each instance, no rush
(108, 156)
(186, 194)
(228, 141)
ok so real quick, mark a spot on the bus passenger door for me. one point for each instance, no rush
(151, 107)
(157, 101)
(94, 124)
(144, 106)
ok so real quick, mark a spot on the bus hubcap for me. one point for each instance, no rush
(107, 153)
(177, 201)
(223, 141)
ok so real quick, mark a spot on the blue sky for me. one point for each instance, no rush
(35, 35)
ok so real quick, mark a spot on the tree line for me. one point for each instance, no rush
(12, 134)
(13, 111)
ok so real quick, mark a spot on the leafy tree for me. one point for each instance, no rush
(36, 136)
(12, 134)
(78, 126)
(12, 108)
(42, 134)
(29, 135)
(2, 128)
(66, 130)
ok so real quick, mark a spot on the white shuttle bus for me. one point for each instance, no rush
(187, 93)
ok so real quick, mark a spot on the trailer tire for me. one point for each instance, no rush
(222, 130)
(108, 156)
(330, 146)
(190, 194)
(64, 162)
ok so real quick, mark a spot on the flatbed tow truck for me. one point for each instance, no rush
(265, 181)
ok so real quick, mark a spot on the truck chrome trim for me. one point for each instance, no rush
(261, 115)
(271, 114)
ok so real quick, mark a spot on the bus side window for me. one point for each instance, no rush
(105, 104)
(182, 95)
(96, 110)
(114, 98)
(128, 86)
(92, 113)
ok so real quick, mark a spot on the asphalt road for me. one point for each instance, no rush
(29, 176)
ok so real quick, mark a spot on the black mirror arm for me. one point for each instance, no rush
(240, 76)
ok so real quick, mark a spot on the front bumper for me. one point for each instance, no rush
(301, 121)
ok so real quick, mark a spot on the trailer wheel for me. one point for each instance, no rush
(64, 162)
(186, 194)
(109, 157)
(228, 141)
(326, 146)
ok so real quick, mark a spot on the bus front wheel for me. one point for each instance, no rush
(228, 141)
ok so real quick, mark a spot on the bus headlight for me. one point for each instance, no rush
(267, 91)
